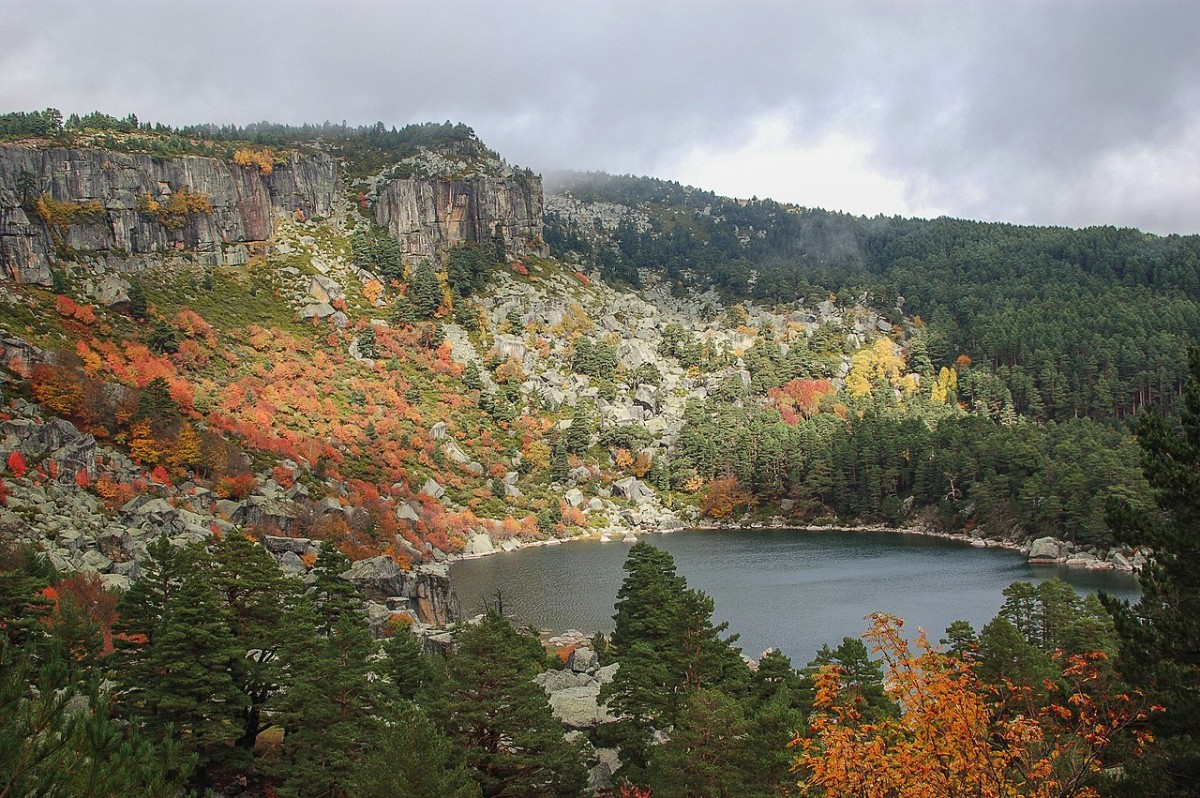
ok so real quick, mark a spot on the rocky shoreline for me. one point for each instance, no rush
(1042, 551)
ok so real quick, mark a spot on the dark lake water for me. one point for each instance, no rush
(790, 589)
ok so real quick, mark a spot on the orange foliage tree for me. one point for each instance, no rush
(724, 495)
(799, 398)
(956, 736)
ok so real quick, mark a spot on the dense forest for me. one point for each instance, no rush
(1091, 322)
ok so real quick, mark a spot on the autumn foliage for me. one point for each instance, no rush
(723, 496)
(958, 736)
(263, 159)
(799, 399)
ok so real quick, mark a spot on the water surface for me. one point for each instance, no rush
(790, 589)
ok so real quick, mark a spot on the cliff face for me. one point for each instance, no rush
(426, 216)
(244, 203)
(429, 217)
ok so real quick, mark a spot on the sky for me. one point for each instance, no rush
(1039, 112)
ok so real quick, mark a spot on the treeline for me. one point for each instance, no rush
(1098, 319)
(1022, 479)
(366, 148)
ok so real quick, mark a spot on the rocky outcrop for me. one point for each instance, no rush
(244, 205)
(427, 587)
(429, 217)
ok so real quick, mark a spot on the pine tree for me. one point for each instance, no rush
(331, 710)
(50, 745)
(335, 597)
(411, 670)
(141, 615)
(23, 607)
(1159, 651)
(498, 716)
(137, 300)
(425, 293)
(192, 688)
(579, 435)
(258, 600)
(410, 757)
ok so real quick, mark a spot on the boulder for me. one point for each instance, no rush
(583, 660)
(432, 489)
(580, 707)
(377, 578)
(478, 545)
(1046, 549)
(454, 452)
(325, 290)
(109, 290)
(405, 512)
(319, 310)
(632, 489)
(554, 681)
(573, 497)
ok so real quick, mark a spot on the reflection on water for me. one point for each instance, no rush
(793, 590)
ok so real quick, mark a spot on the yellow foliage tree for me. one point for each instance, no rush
(263, 159)
(881, 362)
(946, 383)
(143, 446)
(724, 495)
(186, 453)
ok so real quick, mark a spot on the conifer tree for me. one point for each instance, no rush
(258, 600)
(1159, 649)
(191, 687)
(331, 709)
(57, 738)
(410, 757)
(500, 718)
(425, 293)
(411, 670)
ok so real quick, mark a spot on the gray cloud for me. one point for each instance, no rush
(1036, 112)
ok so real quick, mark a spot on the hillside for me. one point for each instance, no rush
(272, 338)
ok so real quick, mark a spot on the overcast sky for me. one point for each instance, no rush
(1062, 113)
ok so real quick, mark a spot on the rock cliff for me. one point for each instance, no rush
(428, 217)
(242, 200)
(104, 201)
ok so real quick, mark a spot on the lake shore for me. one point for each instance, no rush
(1084, 559)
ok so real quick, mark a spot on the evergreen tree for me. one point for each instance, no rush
(667, 647)
(57, 739)
(861, 677)
(707, 753)
(560, 464)
(141, 617)
(410, 757)
(331, 709)
(258, 600)
(137, 300)
(24, 574)
(411, 670)
(500, 718)
(191, 687)
(335, 597)
(425, 293)
(404, 314)
(472, 379)
(579, 435)
(1159, 648)
(156, 405)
